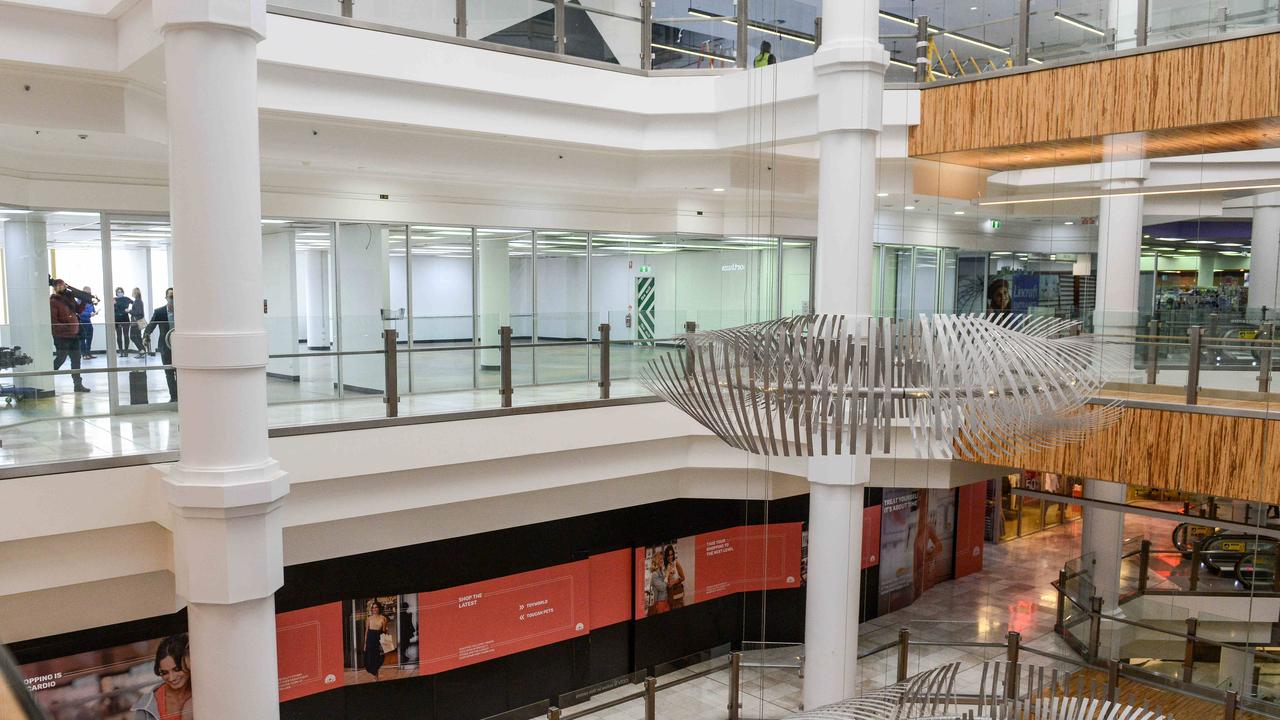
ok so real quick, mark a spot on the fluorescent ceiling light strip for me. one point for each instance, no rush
(694, 53)
(1078, 23)
(762, 27)
(1140, 193)
(954, 36)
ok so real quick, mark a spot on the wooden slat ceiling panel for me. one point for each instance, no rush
(1215, 97)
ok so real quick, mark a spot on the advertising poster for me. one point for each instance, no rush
(971, 517)
(870, 536)
(309, 650)
(917, 544)
(1026, 291)
(381, 639)
(481, 621)
(148, 680)
(711, 565)
(610, 588)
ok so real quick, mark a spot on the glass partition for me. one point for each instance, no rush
(520, 23)
(441, 278)
(606, 30)
(562, 284)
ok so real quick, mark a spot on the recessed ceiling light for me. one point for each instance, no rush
(958, 212)
(1230, 244)
(909, 207)
(1002, 253)
(717, 189)
(1169, 239)
(1068, 223)
(882, 194)
(274, 222)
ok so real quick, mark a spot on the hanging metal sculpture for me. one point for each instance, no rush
(965, 385)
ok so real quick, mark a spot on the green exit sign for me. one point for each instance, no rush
(996, 224)
(644, 268)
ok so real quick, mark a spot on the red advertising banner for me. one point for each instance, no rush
(971, 519)
(309, 650)
(610, 588)
(870, 536)
(711, 565)
(485, 620)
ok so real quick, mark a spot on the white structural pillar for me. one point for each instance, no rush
(225, 490)
(1265, 261)
(1204, 271)
(493, 297)
(1102, 538)
(315, 292)
(850, 67)
(1119, 246)
(26, 276)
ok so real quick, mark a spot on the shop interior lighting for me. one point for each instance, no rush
(717, 189)
(1136, 193)
(908, 207)
(752, 24)
(939, 31)
(958, 212)
(1230, 244)
(1061, 17)
(8, 211)
(1170, 239)
(1189, 251)
(1199, 242)
(273, 222)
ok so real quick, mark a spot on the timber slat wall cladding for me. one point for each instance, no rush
(1174, 705)
(1227, 93)
(1221, 455)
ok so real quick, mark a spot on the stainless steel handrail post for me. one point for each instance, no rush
(460, 18)
(553, 713)
(1196, 333)
(1095, 627)
(1144, 565)
(345, 8)
(1153, 351)
(1011, 669)
(646, 37)
(1195, 566)
(1268, 336)
(735, 685)
(1022, 51)
(922, 49)
(650, 698)
(904, 652)
(390, 373)
(1144, 14)
(744, 52)
(559, 26)
(690, 362)
(1113, 679)
(504, 355)
(1189, 651)
(604, 361)
(1229, 706)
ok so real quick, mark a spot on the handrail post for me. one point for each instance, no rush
(1153, 351)
(558, 20)
(650, 698)
(744, 52)
(1113, 679)
(1095, 627)
(1229, 705)
(1144, 565)
(1022, 51)
(1059, 626)
(1144, 14)
(1267, 335)
(1011, 671)
(1189, 651)
(390, 373)
(904, 652)
(1193, 364)
(460, 18)
(553, 713)
(604, 361)
(690, 362)
(1195, 566)
(922, 49)
(735, 684)
(504, 355)
(646, 36)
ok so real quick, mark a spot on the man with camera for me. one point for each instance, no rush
(64, 316)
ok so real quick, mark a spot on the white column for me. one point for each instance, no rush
(494, 301)
(1103, 537)
(1119, 254)
(225, 490)
(850, 69)
(1265, 261)
(316, 293)
(1204, 274)
(26, 277)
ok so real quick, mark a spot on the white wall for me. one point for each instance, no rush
(280, 292)
(562, 297)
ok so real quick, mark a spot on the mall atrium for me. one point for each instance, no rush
(639, 359)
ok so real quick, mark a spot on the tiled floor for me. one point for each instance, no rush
(79, 426)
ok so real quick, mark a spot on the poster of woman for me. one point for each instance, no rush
(149, 680)
(668, 576)
(382, 639)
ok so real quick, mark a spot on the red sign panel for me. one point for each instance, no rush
(870, 536)
(971, 520)
(610, 588)
(485, 620)
(309, 650)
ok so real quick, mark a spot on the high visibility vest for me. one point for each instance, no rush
(762, 60)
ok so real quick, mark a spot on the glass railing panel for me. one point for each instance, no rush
(1173, 20)
(604, 30)
(324, 7)
(303, 378)
(519, 23)
(772, 679)
(1064, 29)
(694, 44)
(789, 26)
(433, 16)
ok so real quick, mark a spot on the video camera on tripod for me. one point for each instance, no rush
(12, 357)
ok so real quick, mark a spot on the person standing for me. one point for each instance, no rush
(64, 321)
(137, 313)
(766, 56)
(162, 320)
(88, 308)
(375, 624)
(120, 316)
